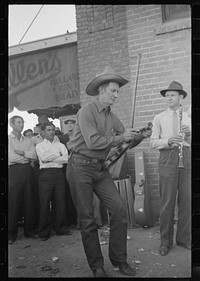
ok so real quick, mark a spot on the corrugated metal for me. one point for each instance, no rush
(42, 44)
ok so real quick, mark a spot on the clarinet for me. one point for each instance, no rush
(180, 159)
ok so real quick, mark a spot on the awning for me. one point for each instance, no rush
(44, 79)
(56, 112)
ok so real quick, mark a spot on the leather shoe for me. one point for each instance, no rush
(11, 241)
(164, 250)
(125, 268)
(64, 233)
(99, 273)
(32, 236)
(44, 238)
(186, 246)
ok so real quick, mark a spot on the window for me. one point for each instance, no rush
(173, 12)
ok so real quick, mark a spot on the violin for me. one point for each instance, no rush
(123, 147)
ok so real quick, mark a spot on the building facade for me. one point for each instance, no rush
(154, 39)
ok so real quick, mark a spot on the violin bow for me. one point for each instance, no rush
(135, 91)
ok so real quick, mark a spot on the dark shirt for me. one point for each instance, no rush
(96, 132)
(63, 138)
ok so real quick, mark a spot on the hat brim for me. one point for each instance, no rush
(66, 121)
(182, 92)
(91, 89)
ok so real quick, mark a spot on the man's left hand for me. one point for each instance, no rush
(142, 135)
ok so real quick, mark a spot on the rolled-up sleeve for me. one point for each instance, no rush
(156, 141)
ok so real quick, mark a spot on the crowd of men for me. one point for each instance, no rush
(40, 201)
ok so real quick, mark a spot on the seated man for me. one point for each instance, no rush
(52, 155)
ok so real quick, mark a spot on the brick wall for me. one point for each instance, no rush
(102, 40)
(165, 56)
(114, 35)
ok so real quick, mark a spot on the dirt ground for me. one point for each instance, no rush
(63, 256)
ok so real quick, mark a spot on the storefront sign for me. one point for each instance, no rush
(44, 79)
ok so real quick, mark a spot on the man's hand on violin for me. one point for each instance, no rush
(132, 135)
(146, 134)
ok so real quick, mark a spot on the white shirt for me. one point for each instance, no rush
(25, 144)
(163, 129)
(51, 154)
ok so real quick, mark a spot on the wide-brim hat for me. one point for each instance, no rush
(174, 86)
(107, 75)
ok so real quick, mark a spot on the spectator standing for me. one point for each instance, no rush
(71, 213)
(51, 154)
(38, 139)
(20, 152)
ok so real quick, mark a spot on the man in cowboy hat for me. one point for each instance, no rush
(96, 132)
(174, 179)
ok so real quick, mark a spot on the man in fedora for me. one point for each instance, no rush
(171, 129)
(96, 132)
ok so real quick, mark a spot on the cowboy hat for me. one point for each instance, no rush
(174, 86)
(107, 75)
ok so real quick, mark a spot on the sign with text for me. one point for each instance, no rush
(44, 79)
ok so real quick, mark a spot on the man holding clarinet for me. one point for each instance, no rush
(171, 136)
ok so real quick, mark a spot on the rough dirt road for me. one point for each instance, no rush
(63, 256)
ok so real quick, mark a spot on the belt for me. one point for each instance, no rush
(51, 169)
(173, 148)
(89, 159)
(18, 164)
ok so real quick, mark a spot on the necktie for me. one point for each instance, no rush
(175, 124)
